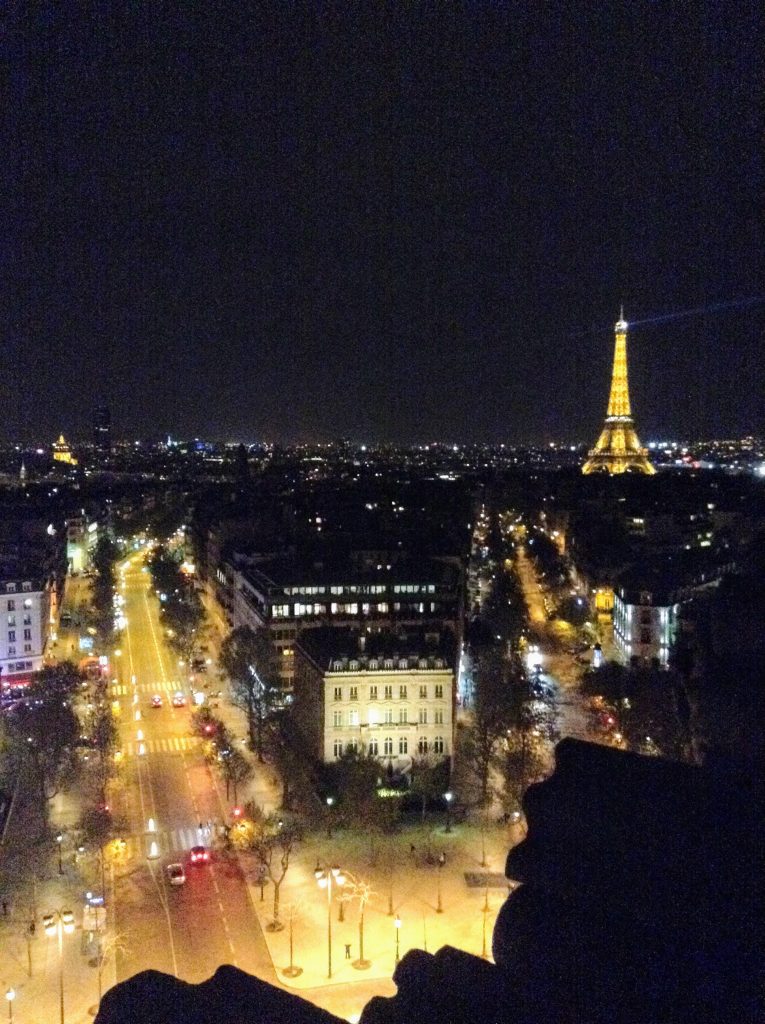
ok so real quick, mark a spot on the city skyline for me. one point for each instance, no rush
(395, 227)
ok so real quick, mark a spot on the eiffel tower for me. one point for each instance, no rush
(618, 450)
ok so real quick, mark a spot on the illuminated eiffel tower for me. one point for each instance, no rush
(618, 450)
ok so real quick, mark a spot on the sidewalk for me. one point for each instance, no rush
(400, 880)
(33, 886)
(29, 962)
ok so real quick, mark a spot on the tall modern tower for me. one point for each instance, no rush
(102, 429)
(618, 450)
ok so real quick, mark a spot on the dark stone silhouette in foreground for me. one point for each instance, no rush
(640, 902)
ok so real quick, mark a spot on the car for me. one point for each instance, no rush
(179, 700)
(156, 701)
(199, 855)
(175, 874)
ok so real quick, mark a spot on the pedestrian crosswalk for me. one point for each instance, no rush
(126, 689)
(168, 843)
(167, 745)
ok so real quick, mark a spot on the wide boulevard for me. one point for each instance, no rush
(165, 792)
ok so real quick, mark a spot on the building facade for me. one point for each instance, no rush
(386, 694)
(286, 599)
(27, 609)
(647, 610)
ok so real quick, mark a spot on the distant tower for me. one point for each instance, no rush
(102, 429)
(618, 450)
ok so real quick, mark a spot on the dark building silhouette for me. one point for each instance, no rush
(102, 429)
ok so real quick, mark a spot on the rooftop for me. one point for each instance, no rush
(329, 644)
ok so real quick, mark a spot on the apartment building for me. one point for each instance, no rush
(390, 694)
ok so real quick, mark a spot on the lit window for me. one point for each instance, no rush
(402, 716)
(337, 719)
(353, 718)
(389, 716)
(337, 748)
(372, 716)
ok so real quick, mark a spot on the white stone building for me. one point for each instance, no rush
(384, 693)
(26, 609)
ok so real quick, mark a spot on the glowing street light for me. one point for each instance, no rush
(397, 926)
(325, 878)
(441, 862)
(448, 796)
(10, 995)
(59, 841)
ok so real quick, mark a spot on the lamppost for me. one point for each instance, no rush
(448, 796)
(59, 921)
(326, 877)
(484, 911)
(10, 995)
(59, 841)
(397, 926)
(330, 803)
(441, 862)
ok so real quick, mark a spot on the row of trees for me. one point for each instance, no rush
(102, 590)
(505, 745)
(181, 609)
(648, 704)
(45, 730)
(221, 751)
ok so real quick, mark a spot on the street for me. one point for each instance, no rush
(559, 669)
(187, 930)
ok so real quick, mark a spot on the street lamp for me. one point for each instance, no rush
(441, 862)
(330, 802)
(326, 877)
(397, 926)
(10, 995)
(59, 921)
(59, 841)
(448, 796)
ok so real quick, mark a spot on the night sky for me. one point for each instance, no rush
(380, 221)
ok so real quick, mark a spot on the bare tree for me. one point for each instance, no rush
(248, 658)
(361, 891)
(274, 841)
